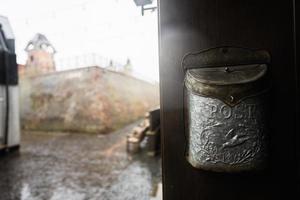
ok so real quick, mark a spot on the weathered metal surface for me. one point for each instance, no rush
(224, 138)
(218, 56)
(229, 84)
(227, 109)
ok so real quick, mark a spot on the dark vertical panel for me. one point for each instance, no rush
(297, 57)
(193, 25)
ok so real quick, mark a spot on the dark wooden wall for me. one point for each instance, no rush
(193, 25)
(297, 61)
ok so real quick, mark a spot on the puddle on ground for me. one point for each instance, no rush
(77, 167)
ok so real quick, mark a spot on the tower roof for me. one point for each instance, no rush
(40, 42)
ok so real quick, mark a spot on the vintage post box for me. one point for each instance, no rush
(226, 109)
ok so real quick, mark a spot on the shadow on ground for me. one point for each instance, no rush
(56, 166)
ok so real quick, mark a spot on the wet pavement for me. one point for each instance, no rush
(62, 166)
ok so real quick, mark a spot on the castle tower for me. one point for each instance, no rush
(40, 56)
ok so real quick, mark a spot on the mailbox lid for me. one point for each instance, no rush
(225, 56)
(228, 75)
(229, 87)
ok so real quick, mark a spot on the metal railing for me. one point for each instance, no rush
(87, 60)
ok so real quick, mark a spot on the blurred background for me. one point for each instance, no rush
(106, 29)
(79, 100)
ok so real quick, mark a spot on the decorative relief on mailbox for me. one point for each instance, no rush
(226, 109)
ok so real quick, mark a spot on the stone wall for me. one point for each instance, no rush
(89, 99)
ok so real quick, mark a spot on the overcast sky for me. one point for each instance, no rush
(113, 29)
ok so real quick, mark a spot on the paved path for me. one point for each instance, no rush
(64, 166)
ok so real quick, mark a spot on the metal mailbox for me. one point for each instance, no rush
(226, 109)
